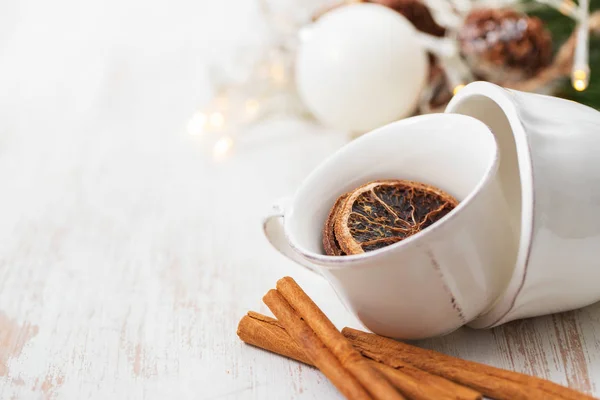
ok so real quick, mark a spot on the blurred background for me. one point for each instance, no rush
(222, 66)
(142, 141)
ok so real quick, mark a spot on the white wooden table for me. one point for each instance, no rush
(127, 257)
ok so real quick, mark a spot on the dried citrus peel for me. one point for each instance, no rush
(381, 213)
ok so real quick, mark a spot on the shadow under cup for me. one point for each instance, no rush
(440, 278)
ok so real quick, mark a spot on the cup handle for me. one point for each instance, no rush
(273, 229)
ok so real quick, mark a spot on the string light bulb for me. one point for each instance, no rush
(197, 123)
(580, 80)
(581, 69)
(222, 147)
(458, 88)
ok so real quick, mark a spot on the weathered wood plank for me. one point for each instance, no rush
(127, 258)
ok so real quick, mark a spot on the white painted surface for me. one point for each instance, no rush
(126, 257)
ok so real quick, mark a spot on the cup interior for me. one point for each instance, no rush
(455, 153)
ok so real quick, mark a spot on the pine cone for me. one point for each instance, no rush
(502, 45)
(417, 13)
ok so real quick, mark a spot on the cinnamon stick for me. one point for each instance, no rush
(372, 380)
(433, 383)
(492, 382)
(431, 388)
(267, 333)
(315, 350)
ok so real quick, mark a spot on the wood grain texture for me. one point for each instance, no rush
(127, 257)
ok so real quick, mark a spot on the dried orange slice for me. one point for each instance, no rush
(381, 213)
(330, 243)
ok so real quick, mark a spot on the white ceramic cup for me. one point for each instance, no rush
(550, 175)
(437, 280)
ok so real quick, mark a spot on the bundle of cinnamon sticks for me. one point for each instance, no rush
(367, 366)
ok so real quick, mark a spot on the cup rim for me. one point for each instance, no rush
(505, 100)
(335, 262)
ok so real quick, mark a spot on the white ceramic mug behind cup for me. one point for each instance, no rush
(437, 280)
(550, 174)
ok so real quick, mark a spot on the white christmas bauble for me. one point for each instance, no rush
(360, 66)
